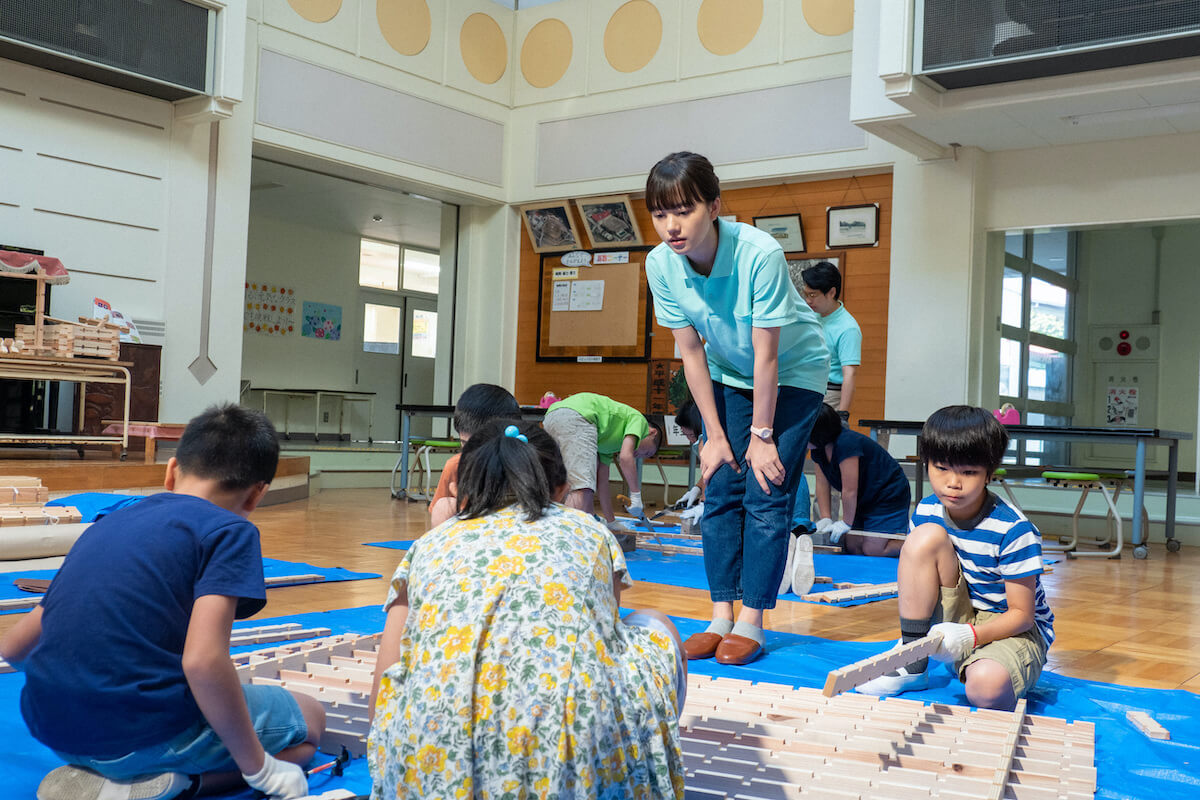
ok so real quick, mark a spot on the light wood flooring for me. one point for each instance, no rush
(1126, 621)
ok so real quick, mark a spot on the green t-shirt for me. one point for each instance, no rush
(614, 421)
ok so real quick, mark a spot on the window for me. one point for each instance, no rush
(378, 265)
(424, 334)
(422, 270)
(381, 329)
(1037, 347)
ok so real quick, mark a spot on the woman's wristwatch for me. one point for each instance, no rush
(762, 433)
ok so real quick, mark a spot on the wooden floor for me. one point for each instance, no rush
(1127, 621)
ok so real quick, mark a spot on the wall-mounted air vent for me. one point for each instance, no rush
(161, 48)
(971, 43)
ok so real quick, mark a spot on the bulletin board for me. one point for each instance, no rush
(594, 311)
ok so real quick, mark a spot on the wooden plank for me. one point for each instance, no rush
(1005, 762)
(858, 673)
(1147, 725)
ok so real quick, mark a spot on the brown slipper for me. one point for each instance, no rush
(701, 645)
(737, 650)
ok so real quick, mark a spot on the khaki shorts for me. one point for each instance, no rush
(577, 440)
(1022, 655)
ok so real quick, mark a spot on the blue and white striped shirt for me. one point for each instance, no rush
(1002, 546)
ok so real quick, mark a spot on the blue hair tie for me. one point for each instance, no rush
(514, 433)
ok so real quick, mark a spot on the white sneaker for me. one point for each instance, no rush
(786, 583)
(801, 566)
(76, 783)
(899, 681)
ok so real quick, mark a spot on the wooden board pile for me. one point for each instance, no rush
(769, 741)
(22, 502)
(336, 670)
(88, 338)
(764, 740)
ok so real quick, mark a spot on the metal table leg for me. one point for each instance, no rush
(1139, 492)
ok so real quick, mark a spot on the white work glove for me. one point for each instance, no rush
(958, 640)
(824, 524)
(278, 779)
(617, 526)
(689, 498)
(836, 531)
(635, 507)
(694, 513)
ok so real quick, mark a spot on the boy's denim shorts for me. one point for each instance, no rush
(273, 711)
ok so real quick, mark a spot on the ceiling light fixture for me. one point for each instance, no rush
(1133, 114)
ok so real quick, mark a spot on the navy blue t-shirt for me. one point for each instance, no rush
(883, 491)
(106, 677)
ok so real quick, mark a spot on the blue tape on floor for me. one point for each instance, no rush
(272, 568)
(1128, 763)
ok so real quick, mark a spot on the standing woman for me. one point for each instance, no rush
(756, 364)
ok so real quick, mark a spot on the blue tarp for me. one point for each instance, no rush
(272, 568)
(94, 505)
(1129, 764)
(686, 570)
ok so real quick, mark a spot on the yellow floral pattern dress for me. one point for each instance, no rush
(516, 677)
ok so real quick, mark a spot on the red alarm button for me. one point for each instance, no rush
(1124, 348)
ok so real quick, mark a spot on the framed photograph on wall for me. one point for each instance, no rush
(551, 227)
(852, 226)
(786, 229)
(609, 221)
(798, 262)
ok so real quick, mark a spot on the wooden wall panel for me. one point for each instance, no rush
(866, 273)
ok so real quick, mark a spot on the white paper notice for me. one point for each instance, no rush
(562, 296)
(587, 295)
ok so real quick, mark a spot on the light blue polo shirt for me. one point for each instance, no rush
(844, 339)
(749, 288)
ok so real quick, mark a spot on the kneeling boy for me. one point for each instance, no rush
(127, 670)
(970, 569)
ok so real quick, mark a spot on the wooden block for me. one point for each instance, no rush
(856, 674)
(1147, 725)
(294, 579)
(20, 603)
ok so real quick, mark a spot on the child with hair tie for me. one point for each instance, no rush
(505, 668)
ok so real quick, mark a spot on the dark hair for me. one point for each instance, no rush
(498, 470)
(681, 179)
(480, 403)
(823, 276)
(657, 423)
(962, 436)
(237, 446)
(688, 416)
(827, 427)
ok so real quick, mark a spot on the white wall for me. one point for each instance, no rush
(1117, 287)
(114, 186)
(322, 266)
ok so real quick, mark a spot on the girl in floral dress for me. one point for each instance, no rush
(504, 669)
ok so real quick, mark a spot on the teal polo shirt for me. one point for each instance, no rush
(749, 288)
(844, 339)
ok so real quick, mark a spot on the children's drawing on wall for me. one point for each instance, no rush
(322, 321)
(1121, 406)
(270, 309)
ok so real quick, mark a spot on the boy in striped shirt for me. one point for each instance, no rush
(971, 569)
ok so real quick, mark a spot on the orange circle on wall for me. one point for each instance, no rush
(405, 24)
(316, 10)
(727, 26)
(829, 17)
(546, 53)
(633, 36)
(483, 48)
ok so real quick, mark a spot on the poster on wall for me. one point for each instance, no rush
(270, 309)
(322, 321)
(1121, 405)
